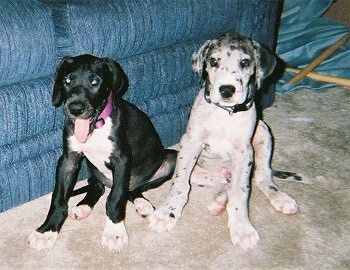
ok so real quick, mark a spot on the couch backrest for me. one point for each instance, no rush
(27, 46)
(120, 28)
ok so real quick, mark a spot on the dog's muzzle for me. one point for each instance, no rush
(83, 126)
(76, 108)
(227, 91)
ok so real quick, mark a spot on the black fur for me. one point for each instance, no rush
(138, 152)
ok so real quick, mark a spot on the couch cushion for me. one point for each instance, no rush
(26, 110)
(122, 28)
(21, 151)
(27, 180)
(27, 41)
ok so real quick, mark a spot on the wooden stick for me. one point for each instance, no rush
(322, 77)
(319, 59)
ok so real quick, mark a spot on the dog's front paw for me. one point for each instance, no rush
(40, 241)
(114, 236)
(283, 203)
(79, 212)
(244, 235)
(143, 207)
(162, 220)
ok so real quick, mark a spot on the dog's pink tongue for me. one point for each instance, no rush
(81, 129)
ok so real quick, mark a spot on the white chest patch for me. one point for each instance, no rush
(97, 147)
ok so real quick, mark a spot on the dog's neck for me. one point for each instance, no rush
(101, 119)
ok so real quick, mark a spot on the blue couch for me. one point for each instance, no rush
(153, 40)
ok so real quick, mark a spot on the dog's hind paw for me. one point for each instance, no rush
(114, 236)
(40, 241)
(143, 207)
(162, 220)
(218, 206)
(283, 203)
(79, 212)
(244, 235)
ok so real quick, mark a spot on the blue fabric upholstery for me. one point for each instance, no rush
(304, 34)
(152, 39)
(25, 54)
(122, 28)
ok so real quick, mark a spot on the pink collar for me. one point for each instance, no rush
(105, 113)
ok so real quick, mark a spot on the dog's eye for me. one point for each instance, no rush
(67, 80)
(213, 62)
(95, 81)
(245, 63)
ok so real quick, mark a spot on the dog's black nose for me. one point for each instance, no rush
(76, 108)
(227, 91)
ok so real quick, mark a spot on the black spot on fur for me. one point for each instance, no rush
(171, 215)
(273, 188)
(285, 175)
(298, 178)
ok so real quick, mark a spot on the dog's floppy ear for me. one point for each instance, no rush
(198, 58)
(119, 78)
(265, 63)
(58, 90)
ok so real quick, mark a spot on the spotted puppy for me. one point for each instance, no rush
(224, 140)
(121, 146)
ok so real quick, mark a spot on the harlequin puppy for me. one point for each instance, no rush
(121, 146)
(224, 140)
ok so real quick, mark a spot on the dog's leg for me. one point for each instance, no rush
(66, 176)
(241, 230)
(263, 179)
(215, 181)
(143, 206)
(83, 209)
(114, 235)
(165, 218)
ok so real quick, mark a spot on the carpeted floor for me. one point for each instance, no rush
(312, 137)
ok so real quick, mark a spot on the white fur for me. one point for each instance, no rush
(79, 212)
(41, 241)
(214, 146)
(232, 71)
(217, 149)
(97, 147)
(143, 207)
(114, 236)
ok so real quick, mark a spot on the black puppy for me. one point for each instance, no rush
(121, 146)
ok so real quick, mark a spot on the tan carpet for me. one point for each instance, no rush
(312, 134)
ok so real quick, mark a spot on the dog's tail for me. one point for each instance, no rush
(291, 176)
